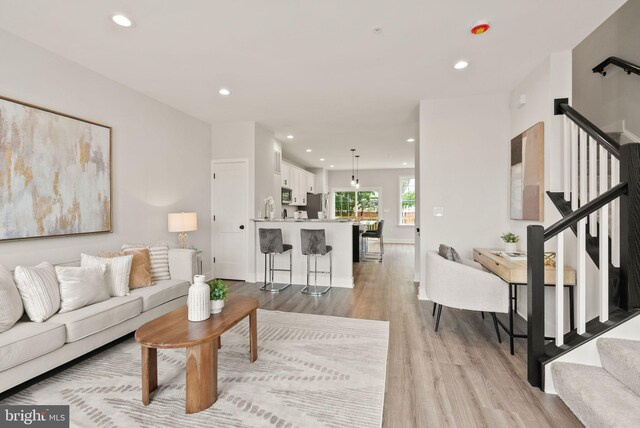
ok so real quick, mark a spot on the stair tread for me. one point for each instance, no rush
(621, 358)
(595, 397)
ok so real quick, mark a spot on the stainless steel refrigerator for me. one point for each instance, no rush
(317, 202)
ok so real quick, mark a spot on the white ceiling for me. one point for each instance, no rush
(312, 68)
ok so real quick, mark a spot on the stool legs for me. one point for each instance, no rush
(314, 290)
(269, 260)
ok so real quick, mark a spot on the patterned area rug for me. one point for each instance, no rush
(311, 371)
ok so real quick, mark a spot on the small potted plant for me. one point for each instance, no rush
(218, 294)
(511, 242)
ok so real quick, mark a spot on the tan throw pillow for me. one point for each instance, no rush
(140, 275)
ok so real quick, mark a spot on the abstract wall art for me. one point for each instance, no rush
(527, 174)
(55, 173)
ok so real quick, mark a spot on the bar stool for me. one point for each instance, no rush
(270, 245)
(376, 234)
(314, 244)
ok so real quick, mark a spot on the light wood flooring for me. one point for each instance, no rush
(459, 377)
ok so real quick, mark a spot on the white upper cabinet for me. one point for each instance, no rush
(299, 181)
(285, 174)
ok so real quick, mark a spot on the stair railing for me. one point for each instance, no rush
(627, 66)
(594, 165)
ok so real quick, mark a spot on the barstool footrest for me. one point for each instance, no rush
(272, 287)
(314, 290)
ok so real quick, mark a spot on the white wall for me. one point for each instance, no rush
(160, 156)
(464, 168)
(388, 181)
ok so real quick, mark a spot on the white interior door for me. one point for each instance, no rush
(229, 209)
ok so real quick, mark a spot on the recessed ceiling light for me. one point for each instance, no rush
(404, 163)
(410, 140)
(461, 65)
(308, 150)
(332, 166)
(321, 159)
(289, 137)
(122, 20)
(224, 91)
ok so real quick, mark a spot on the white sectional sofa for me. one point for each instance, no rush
(29, 349)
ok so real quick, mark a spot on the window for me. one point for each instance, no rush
(407, 201)
(368, 205)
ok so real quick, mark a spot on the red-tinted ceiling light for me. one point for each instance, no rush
(480, 28)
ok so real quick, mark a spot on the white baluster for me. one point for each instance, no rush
(584, 197)
(593, 183)
(566, 158)
(574, 166)
(604, 239)
(581, 280)
(560, 290)
(615, 214)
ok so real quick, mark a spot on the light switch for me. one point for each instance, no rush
(438, 211)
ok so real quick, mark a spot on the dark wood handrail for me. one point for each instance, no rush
(592, 130)
(627, 66)
(585, 210)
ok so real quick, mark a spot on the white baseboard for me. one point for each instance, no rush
(208, 276)
(422, 295)
(399, 241)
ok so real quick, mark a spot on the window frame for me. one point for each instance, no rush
(399, 201)
(332, 197)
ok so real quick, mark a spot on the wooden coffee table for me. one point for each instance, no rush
(202, 340)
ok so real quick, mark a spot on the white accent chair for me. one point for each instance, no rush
(466, 286)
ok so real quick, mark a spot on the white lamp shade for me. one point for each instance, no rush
(183, 222)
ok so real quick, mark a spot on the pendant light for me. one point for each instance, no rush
(353, 177)
(357, 173)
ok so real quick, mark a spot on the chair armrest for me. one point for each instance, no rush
(182, 264)
(460, 286)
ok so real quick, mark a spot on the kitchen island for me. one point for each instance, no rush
(338, 234)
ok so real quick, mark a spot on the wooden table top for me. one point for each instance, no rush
(174, 330)
(515, 271)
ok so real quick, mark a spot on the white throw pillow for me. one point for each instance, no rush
(82, 286)
(118, 270)
(39, 290)
(11, 308)
(159, 255)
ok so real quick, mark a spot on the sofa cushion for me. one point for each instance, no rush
(159, 254)
(39, 290)
(162, 292)
(140, 275)
(118, 270)
(449, 253)
(11, 308)
(28, 340)
(82, 286)
(97, 317)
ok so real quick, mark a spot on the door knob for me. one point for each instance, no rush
(242, 226)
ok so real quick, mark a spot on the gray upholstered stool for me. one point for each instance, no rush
(314, 244)
(270, 245)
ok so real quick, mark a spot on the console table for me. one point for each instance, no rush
(514, 273)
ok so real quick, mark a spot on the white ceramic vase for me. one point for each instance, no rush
(511, 247)
(198, 300)
(216, 306)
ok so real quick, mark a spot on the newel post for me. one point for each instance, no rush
(630, 227)
(535, 303)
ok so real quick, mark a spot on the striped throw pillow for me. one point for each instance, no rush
(11, 308)
(39, 290)
(118, 271)
(159, 260)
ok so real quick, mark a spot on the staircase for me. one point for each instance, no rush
(600, 205)
(606, 396)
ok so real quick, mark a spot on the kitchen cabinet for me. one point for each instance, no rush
(299, 181)
(310, 182)
(285, 174)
